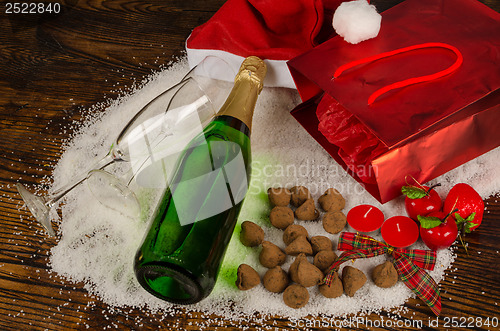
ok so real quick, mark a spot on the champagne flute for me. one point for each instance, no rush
(152, 153)
(147, 122)
(40, 205)
(191, 108)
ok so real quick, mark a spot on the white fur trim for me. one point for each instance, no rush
(278, 74)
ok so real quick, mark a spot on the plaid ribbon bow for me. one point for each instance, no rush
(408, 263)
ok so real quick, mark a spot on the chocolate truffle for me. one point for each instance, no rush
(385, 275)
(251, 234)
(275, 280)
(352, 280)
(279, 196)
(334, 222)
(321, 243)
(292, 232)
(281, 217)
(331, 200)
(271, 255)
(296, 296)
(307, 211)
(299, 245)
(334, 290)
(308, 274)
(246, 277)
(324, 259)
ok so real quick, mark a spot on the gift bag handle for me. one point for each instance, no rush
(406, 82)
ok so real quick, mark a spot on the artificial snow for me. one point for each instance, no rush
(356, 21)
(97, 245)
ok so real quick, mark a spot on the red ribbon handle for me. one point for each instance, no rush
(406, 82)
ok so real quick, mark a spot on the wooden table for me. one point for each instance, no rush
(53, 68)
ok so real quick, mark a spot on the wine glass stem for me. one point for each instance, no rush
(62, 191)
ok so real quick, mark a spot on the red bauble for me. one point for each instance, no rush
(425, 205)
(441, 236)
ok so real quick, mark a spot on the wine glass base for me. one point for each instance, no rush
(38, 207)
(111, 192)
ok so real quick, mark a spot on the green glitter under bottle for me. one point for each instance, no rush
(185, 244)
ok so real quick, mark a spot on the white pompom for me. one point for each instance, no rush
(356, 21)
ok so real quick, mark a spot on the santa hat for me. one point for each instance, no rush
(275, 30)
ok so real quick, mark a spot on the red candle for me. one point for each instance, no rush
(365, 218)
(400, 231)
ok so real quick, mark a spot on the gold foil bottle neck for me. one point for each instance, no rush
(248, 84)
(253, 68)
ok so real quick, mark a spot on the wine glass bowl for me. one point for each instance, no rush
(168, 123)
(156, 132)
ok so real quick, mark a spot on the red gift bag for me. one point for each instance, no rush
(424, 129)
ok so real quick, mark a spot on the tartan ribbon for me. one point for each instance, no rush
(407, 262)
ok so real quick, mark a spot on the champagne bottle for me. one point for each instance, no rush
(182, 251)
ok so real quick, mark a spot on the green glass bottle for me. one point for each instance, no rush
(185, 244)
